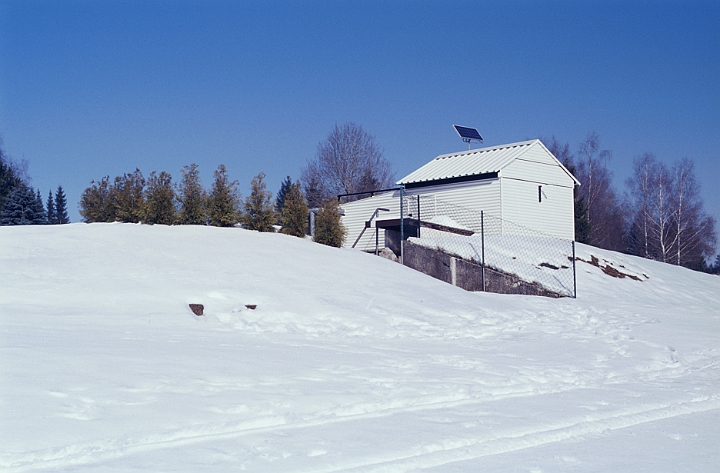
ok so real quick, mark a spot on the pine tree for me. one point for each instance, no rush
(18, 207)
(280, 198)
(10, 177)
(715, 268)
(23, 207)
(95, 202)
(128, 197)
(259, 213)
(160, 199)
(39, 217)
(582, 226)
(61, 215)
(51, 215)
(192, 196)
(329, 230)
(223, 201)
(294, 213)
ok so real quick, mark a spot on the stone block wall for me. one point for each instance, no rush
(466, 274)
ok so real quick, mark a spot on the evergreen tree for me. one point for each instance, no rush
(160, 199)
(51, 216)
(95, 203)
(715, 268)
(259, 213)
(582, 226)
(8, 181)
(128, 197)
(11, 176)
(40, 215)
(294, 213)
(329, 229)
(280, 198)
(23, 207)
(192, 196)
(61, 215)
(224, 200)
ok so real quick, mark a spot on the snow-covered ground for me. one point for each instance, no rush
(349, 362)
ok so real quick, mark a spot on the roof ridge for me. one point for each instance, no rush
(475, 162)
(486, 149)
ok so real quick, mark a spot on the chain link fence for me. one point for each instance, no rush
(491, 243)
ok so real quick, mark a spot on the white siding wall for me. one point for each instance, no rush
(476, 195)
(360, 211)
(512, 197)
(537, 170)
(538, 154)
(553, 216)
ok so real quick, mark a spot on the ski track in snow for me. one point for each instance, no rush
(108, 370)
(421, 456)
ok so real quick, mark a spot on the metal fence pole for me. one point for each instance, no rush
(402, 228)
(574, 273)
(482, 240)
(418, 232)
(377, 240)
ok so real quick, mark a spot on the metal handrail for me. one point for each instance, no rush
(367, 225)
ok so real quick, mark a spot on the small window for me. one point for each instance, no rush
(539, 193)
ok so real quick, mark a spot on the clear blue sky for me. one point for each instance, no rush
(95, 88)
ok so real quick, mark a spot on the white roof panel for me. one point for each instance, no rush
(469, 163)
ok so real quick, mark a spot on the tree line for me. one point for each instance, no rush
(347, 162)
(659, 216)
(21, 204)
(132, 198)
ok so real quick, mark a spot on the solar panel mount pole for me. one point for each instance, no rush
(468, 134)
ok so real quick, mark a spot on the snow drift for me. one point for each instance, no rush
(348, 363)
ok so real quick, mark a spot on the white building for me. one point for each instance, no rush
(522, 183)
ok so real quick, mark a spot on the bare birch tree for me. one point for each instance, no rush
(641, 189)
(669, 223)
(694, 231)
(604, 214)
(661, 211)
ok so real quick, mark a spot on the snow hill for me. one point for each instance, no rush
(349, 362)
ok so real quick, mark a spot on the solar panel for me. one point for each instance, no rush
(468, 134)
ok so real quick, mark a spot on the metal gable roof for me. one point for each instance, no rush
(470, 163)
(467, 163)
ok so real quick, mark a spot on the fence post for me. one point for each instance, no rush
(574, 273)
(402, 229)
(377, 240)
(418, 197)
(482, 240)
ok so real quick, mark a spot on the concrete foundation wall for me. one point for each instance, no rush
(467, 275)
